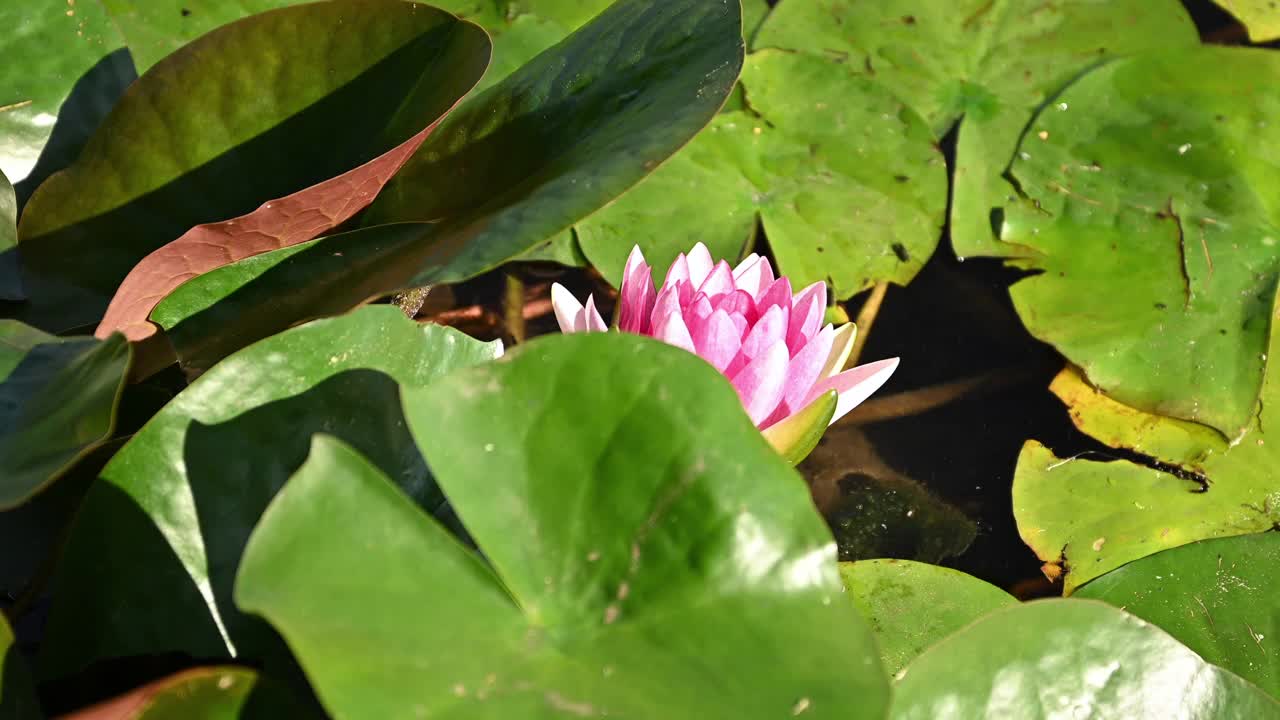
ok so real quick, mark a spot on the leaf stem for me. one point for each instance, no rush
(866, 319)
(513, 307)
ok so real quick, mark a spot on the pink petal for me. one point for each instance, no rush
(636, 296)
(719, 281)
(696, 312)
(700, 264)
(779, 294)
(841, 347)
(677, 273)
(739, 323)
(806, 315)
(672, 330)
(854, 385)
(737, 301)
(718, 340)
(667, 302)
(591, 320)
(769, 330)
(566, 307)
(760, 383)
(754, 278)
(747, 262)
(806, 368)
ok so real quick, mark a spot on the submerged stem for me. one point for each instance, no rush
(866, 319)
(513, 307)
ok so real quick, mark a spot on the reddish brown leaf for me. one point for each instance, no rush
(277, 224)
(135, 702)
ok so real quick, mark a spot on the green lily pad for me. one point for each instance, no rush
(1260, 17)
(357, 78)
(913, 605)
(1216, 596)
(17, 694)
(847, 181)
(986, 64)
(1147, 206)
(1070, 658)
(1090, 517)
(649, 555)
(58, 400)
(514, 166)
(149, 563)
(68, 66)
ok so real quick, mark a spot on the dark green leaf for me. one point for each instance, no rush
(17, 695)
(651, 554)
(1070, 658)
(1216, 596)
(912, 605)
(58, 399)
(992, 62)
(1147, 206)
(150, 561)
(511, 168)
(269, 106)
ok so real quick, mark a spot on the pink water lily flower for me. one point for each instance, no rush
(771, 344)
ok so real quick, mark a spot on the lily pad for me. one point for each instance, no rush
(72, 68)
(642, 541)
(149, 563)
(58, 400)
(1260, 17)
(912, 605)
(1186, 484)
(209, 693)
(17, 694)
(359, 78)
(511, 168)
(1217, 596)
(847, 181)
(1146, 203)
(1070, 658)
(985, 64)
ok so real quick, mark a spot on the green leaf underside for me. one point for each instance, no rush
(149, 563)
(1148, 205)
(846, 180)
(990, 62)
(1075, 658)
(643, 540)
(1216, 596)
(17, 694)
(58, 400)
(514, 166)
(912, 605)
(164, 161)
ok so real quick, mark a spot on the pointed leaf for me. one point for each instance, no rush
(796, 436)
(208, 693)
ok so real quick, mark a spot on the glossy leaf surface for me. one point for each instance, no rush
(1070, 658)
(513, 167)
(912, 606)
(356, 78)
(642, 542)
(1217, 596)
(161, 533)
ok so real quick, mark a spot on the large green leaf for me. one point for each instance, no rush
(150, 560)
(1260, 17)
(650, 555)
(513, 167)
(17, 695)
(1217, 596)
(847, 181)
(1070, 658)
(66, 67)
(1090, 517)
(990, 62)
(912, 605)
(58, 399)
(256, 102)
(1150, 205)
